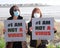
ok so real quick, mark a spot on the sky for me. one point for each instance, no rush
(48, 2)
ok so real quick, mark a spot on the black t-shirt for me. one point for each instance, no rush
(16, 44)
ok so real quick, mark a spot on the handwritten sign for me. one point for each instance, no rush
(42, 28)
(15, 30)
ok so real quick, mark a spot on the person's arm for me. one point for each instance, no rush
(26, 28)
(55, 30)
(4, 30)
(29, 28)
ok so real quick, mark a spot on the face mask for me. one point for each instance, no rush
(16, 13)
(36, 15)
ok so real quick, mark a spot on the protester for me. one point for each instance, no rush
(36, 13)
(15, 15)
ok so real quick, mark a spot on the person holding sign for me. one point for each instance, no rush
(36, 13)
(15, 15)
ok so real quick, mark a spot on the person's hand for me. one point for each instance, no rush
(26, 30)
(30, 28)
(55, 30)
(4, 30)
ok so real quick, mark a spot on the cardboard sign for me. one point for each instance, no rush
(42, 28)
(15, 30)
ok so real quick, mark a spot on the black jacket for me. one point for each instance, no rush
(29, 25)
(32, 42)
(16, 44)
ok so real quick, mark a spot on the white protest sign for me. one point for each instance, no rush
(15, 30)
(42, 28)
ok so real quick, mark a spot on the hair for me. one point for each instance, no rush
(12, 9)
(35, 9)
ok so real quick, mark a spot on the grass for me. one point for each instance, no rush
(2, 43)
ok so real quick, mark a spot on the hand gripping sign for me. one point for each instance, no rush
(42, 28)
(15, 30)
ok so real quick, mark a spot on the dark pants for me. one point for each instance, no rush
(17, 45)
(33, 43)
(42, 46)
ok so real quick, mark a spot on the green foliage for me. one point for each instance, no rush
(51, 46)
(2, 43)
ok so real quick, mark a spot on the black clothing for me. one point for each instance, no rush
(42, 46)
(33, 43)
